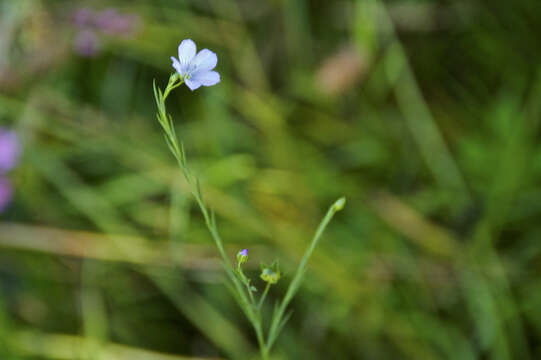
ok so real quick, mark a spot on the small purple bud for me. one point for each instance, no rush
(242, 256)
(86, 43)
(6, 193)
(10, 150)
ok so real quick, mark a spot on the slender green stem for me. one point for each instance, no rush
(264, 352)
(299, 274)
(174, 82)
(257, 323)
(261, 341)
(178, 151)
(246, 282)
(262, 299)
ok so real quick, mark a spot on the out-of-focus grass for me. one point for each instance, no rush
(424, 114)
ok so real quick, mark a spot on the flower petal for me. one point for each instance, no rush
(177, 65)
(206, 78)
(186, 51)
(204, 60)
(192, 84)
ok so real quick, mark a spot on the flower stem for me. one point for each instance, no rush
(251, 308)
(246, 282)
(277, 320)
(262, 299)
(247, 302)
(178, 151)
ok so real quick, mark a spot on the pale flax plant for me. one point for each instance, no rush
(195, 70)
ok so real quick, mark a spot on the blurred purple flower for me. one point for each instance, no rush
(6, 193)
(111, 21)
(196, 70)
(83, 17)
(86, 43)
(130, 24)
(10, 150)
(92, 24)
(244, 252)
(107, 20)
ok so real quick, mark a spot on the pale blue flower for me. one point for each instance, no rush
(196, 69)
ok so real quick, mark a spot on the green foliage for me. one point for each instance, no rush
(424, 113)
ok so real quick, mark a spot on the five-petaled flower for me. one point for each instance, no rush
(196, 69)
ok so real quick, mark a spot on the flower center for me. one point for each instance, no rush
(188, 70)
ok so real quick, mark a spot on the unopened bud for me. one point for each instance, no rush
(270, 274)
(339, 204)
(242, 256)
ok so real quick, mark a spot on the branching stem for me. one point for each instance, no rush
(246, 298)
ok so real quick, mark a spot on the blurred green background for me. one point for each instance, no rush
(424, 114)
